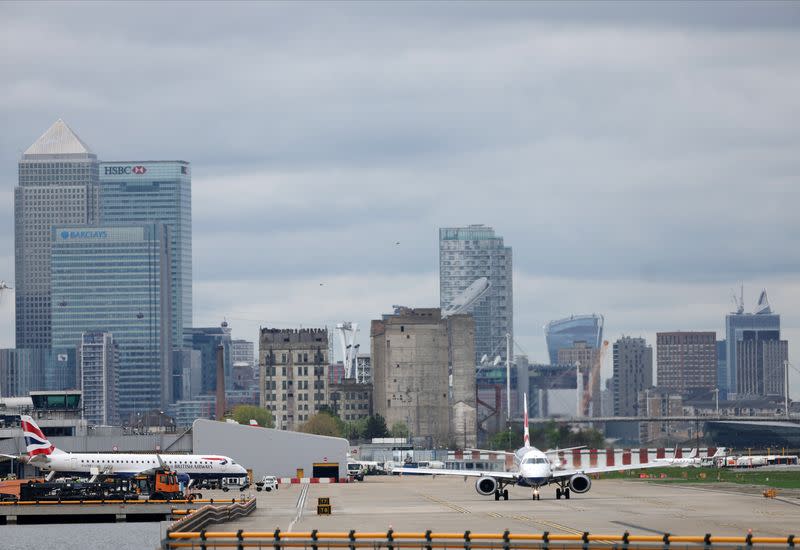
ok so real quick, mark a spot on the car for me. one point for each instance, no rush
(267, 483)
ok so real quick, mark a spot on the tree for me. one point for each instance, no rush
(399, 429)
(244, 413)
(322, 424)
(376, 427)
(505, 440)
(355, 429)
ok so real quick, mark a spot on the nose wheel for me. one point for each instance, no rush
(536, 494)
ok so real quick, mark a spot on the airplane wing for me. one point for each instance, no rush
(489, 451)
(460, 473)
(557, 450)
(558, 474)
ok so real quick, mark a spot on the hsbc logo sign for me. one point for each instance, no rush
(123, 170)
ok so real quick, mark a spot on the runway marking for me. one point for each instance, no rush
(639, 527)
(301, 504)
(450, 505)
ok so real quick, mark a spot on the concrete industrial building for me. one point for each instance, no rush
(586, 358)
(351, 400)
(414, 354)
(293, 379)
(687, 362)
(116, 279)
(58, 184)
(145, 192)
(563, 333)
(99, 356)
(633, 372)
(465, 255)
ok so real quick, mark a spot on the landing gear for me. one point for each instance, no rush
(562, 492)
(566, 494)
(498, 494)
(536, 494)
(558, 493)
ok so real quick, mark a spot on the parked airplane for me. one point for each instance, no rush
(692, 460)
(45, 456)
(532, 468)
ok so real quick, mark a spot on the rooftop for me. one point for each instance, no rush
(59, 139)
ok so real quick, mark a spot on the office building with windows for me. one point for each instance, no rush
(58, 184)
(141, 192)
(633, 373)
(465, 255)
(206, 340)
(754, 351)
(563, 333)
(117, 280)
(687, 362)
(99, 356)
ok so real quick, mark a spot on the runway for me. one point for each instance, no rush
(418, 503)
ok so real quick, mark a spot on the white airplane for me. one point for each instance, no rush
(692, 460)
(45, 456)
(532, 468)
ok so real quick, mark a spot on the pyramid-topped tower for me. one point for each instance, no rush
(58, 140)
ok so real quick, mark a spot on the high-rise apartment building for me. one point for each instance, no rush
(415, 353)
(633, 372)
(116, 279)
(99, 356)
(140, 192)
(563, 333)
(687, 362)
(243, 352)
(58, 184)
(755, 351)
(465, 255)
(294, 377)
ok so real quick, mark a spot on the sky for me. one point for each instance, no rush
(640, 158)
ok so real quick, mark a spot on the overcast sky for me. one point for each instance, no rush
(640, 158)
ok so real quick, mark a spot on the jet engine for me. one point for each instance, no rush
(579, 483)
(486, 485)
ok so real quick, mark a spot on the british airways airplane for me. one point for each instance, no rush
(532, 468)
(45, 456)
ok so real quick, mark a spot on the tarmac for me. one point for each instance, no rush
(451, 504)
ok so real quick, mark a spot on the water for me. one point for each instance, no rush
(77, 536)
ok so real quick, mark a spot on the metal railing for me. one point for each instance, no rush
(467, 540)
(207, 515)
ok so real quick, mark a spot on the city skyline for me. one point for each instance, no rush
(662, 223)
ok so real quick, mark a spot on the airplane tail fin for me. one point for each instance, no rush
(719, 452)
(693, 454)
(527, 433)
(35, 441)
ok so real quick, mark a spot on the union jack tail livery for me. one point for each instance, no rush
(35, 441)
(527, 436)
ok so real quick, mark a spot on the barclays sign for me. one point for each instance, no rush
(65, 235)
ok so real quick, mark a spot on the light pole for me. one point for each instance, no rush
(716, 400)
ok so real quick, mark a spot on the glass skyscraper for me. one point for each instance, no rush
(466, 254)
(137, 192)
(563, 333)
(116, 279)
(58, 184)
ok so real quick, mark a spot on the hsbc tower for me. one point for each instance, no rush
(142, 192)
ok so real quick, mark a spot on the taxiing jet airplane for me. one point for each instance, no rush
(532, 468)
(44, 455)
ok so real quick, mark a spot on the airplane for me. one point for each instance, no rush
(692, 460)
(191, 468)
(532, 468)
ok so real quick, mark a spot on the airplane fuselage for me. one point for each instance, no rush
(128, 464)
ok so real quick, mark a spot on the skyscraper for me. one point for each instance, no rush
(466, 254)
(58, 184)
(563, 333)
(633, 372)
(139, 192)
(116, 279)
(755, 351)
(687, 362)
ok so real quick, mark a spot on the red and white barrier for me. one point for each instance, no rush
(291, 480)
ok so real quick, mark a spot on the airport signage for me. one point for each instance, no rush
(324, 506)
(65, 235)
(124, 170)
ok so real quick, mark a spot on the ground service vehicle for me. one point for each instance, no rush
(267, 483)
(161, 485)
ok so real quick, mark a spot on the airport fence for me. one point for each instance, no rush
(391, 540)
